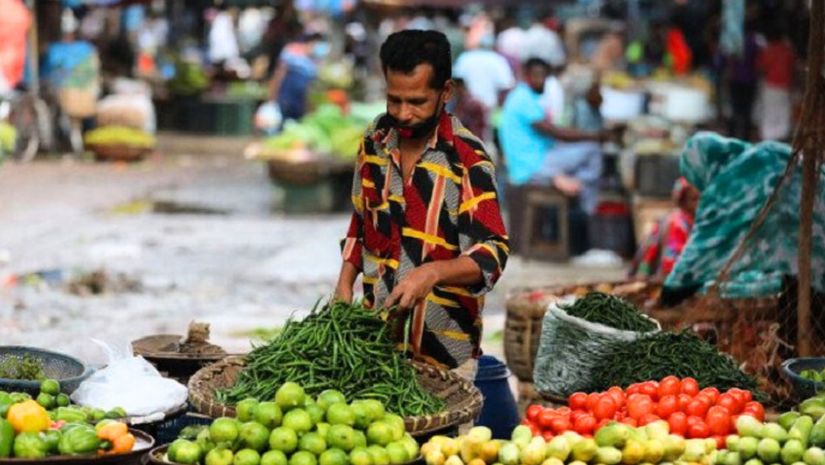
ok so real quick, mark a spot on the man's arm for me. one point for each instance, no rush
(568, 134)
(418, 283)
(277, 79)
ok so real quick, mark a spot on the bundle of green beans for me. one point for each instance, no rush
(661, 354)
(609, 310)
(338, 346)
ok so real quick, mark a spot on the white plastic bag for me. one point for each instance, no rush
(268, 117)
(132, 383)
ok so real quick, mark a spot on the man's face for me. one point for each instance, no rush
(410, 99)
(535, 76)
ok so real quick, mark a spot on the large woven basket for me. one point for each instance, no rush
(463, 399)
(123, 153)
(176, 365)
(306, 172)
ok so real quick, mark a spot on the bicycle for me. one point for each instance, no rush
(31, 117)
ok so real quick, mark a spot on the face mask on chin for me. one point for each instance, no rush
(422, 129)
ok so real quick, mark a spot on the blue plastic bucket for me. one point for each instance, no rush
(499, 411)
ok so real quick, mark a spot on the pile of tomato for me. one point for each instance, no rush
(691, 412)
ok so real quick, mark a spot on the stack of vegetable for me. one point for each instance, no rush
(813, 375)
(29, 430)
(338, 346)
(689, 411)
(608, 310)
(793, 439)
(613, 444)
(292, 428)
(119, 136)
(325, 131)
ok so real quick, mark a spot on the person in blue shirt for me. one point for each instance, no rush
(295, 72)
(538, 152)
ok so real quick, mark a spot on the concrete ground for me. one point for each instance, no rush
(242, 267)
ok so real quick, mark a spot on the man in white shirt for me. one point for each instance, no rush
(487, 74)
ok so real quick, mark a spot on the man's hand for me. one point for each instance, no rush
(346, 279)
(413, 288)
(343, 293)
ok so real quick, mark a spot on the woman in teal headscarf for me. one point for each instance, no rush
(736, 179)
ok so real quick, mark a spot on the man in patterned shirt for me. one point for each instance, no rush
(426, 233)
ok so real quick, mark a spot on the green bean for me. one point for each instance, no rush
(609, 310)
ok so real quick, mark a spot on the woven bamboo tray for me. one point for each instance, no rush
(306, 172)
(122, 153)
(463, 399)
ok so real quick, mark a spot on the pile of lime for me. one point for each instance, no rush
(295, 429)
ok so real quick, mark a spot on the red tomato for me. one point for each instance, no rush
(740, 395)
(564, 411)
(748, 395)
(534, 429)
(721, 442)
(618, 396)
(560, 424)
(592, 398)
(640, 406)
(648, 418)
(698, 430)
(585, 424)
(577, 401)
(546, 418)
(632, 389)
(684, 400)
(650, 388)
(711, 392)
(547, 435)
(690, 387)
(678, 423)
(630, 421)
(733, 419)
(705, 399)
(692, 420)
(697, 408)
(667, 405)
(729, 402)
(605, 408)
(669, 386)
(533, 412)
(576, 414)
(718, 420)
(754, 409)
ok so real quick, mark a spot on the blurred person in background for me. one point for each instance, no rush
(663, 246)
(739, 76)
(14, 24)
(538, 152)
(544, 43)
(776, 63)
(471, 112)
(294, 73)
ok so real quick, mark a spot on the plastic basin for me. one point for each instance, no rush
(803, 388)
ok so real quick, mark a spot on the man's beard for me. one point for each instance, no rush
(419, 130)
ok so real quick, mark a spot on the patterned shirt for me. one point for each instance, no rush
(449, 208)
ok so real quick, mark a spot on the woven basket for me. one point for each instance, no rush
(122, 153)
(308, 172)
(526, 308)
(463, 400)
(176, 365)
(69, 371)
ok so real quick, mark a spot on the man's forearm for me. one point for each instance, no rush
(348, 275)
(461, 271)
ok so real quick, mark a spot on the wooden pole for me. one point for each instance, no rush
(808, 140)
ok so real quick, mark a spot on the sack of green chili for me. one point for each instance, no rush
(571, 347)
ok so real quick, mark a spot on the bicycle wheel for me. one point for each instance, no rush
(24, 117)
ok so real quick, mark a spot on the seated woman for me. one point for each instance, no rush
(736, 179)
(661, 249)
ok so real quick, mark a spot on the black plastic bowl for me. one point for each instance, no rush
(803, 388)
(69, 371)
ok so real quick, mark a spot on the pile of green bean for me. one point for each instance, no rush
(664, 353)
(609, 310)
(338, 346)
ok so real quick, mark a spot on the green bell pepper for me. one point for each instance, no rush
(813, 407)
(71, 415)
(52, 438)
(6, 438)
(30, 446)
(78, 440)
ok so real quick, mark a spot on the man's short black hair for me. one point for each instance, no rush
(533, 61)
(404, 50)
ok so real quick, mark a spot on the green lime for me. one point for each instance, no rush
(375, 409)
(322, 429)
(333, 457)
(50, 386)
(298, 420)
(187, 452)
(254, 436)
(361, 415)
(290, 395)
(247, 457)
(341, 437)
(283, 439)
(379, 455)
(219, 456)
(329, 397)
(313, 442)
(268, 414)
(224, 430)
(47, 401)
(397, 453)
(63, 400)
(303, 457)
(340, 414)
(360, 438)
(245, 409)
(360, 456)
(380, 433)
(315, 412)
(275, 457)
